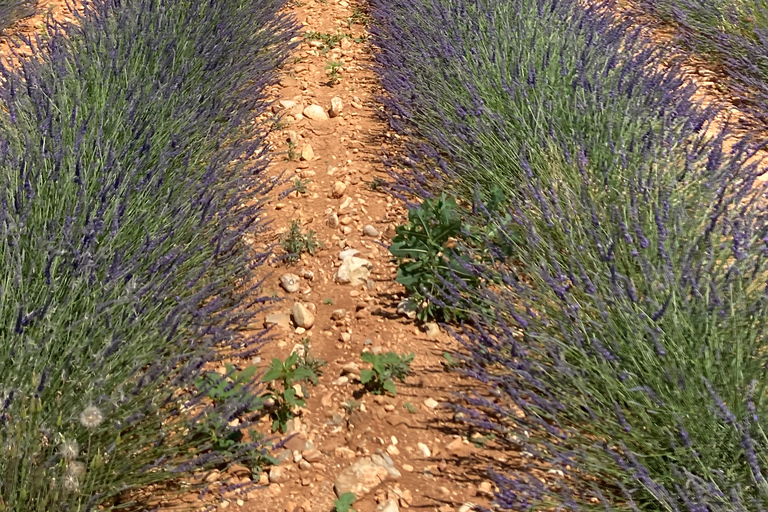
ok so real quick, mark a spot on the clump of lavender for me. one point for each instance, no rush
(731, 35)
(13, 10)
(624, 321)
(127, 146)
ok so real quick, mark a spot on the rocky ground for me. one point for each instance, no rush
(392, 452)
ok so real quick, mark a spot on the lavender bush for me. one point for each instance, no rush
(620, 332)
(13, 10)
(732, 36)
(128, 146)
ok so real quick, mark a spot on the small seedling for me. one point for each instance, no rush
(280, 124)
(292, 153)
(409, 407)
(282, 375)
(450, 362)
(295, 242)
(385, 369)
(375, 184)
(333, 69)
(480, 440)
(327, 40)
(328, 302)
(310, 362)
(350, 405)
(344, 503)
(219, 387)
(359, 17)
(300, 185)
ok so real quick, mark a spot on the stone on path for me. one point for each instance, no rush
(346, 253)
(302, 316)
(431, 403)
(281, 320)
(354, 271)
(432, 329)
(333, 221)
(316, 113)
(307, 153)
(371, 231)
(290, 282)
(388, 506)
(338, 189)
(365, 474)
(278, 474)
(336, 107)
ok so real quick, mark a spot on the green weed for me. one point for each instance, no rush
(295, 242)
(344, 503)
(385, 369)
(282, 375)
(328, 40)
(334, 72)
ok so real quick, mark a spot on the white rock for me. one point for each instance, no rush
(371, 231)
(433, 330)
(336, 107)
(466, 507)
(312, 455)
(360, 478)
(290, 282)
(338, 189)
(302, 316)
(338, 314)
(354, 271)
(286, 104)
(280, 320)
(315, 112)
(278, 474)
(388, 506)
(424, 449)
(346, 253)
(431, 403)
(307, 153)
(350, 367)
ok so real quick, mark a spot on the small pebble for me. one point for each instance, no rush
(338, 189)
(371, 231)
(290, 282)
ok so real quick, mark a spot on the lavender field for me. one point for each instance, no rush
(585, 226)
(596, 244)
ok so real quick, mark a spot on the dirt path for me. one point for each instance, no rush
(408, 451)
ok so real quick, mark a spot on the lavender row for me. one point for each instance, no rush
(607, 257)
(731, 36)
(13, 10)
(128, 147)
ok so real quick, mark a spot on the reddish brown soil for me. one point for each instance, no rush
(346, 149)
